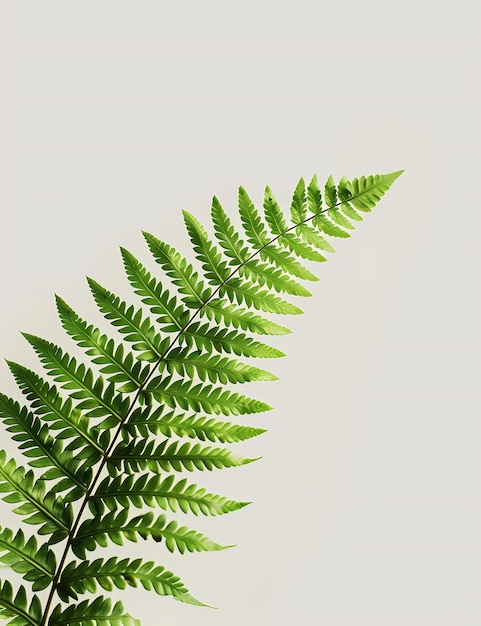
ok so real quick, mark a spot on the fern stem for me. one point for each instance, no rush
(71, 536)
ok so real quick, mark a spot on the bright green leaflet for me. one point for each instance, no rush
(106, 442)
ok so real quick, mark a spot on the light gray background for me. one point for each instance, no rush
(115, 115)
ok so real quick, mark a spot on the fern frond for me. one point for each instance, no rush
(40, 507)
(157, 491)
(18, 608)
(97, 446)
(24, 557)
(84, 577)
(118, 526)
(99, 611)
(176, 456)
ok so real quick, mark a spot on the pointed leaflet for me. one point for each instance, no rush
(80, 381)
(118, 526)
(330, 192)
(41, 507)
(46, 452)
(104, 352)
(143, 421)
(224, 340)
(366, 192)
(99, 611)
(18, 608)
(202, 397)
(176, 456)
(299, 203)
(212, 367)
(321, 221)
(24, 557)
(171, 316)
(130, 322)
(152, 491)
(71, 424)
(84, 577)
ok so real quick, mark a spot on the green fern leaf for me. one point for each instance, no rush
(18, 608)
(44, 450)
(202, 397)
(155, 491)
(118, 526)
(224, 340)
(144, 421)
(299, 203)
(308, 234)
(330, 192)
(99, 611)
(366, 192)
(103, 350)
(129, 322)
(170, 315)
(96, 400)
(251, 221)
(176, 456)
(70, 422)
(180, 271)
(215, 368)
(84, 577)
(24, 557)
(340, 219)
(325, 225)
(233, 315)
(42, 508)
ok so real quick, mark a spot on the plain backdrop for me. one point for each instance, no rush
(116, 115)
